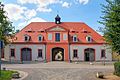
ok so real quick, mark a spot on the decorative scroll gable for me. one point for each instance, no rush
(57, 28)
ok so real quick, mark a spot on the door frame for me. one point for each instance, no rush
(89, 54)
(30, 53)
(62, 51)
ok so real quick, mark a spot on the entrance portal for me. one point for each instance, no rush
(89, 54)
(57, 54)
(26, 54)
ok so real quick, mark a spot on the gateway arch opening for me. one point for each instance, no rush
(26, 54)
(57, 54)
(89, 54)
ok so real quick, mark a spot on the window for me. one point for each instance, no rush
(65, 36)
(12, 52)
(26, 38)
(57, 36)
(103, 53)
(75, 38)
(40, 53)
(40, 37)
(75, 54)
(50, 36)
(89, 38)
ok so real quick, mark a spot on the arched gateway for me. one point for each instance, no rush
(89, 54)
(26, 54)
(57, 54)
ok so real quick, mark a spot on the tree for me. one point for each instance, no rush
(17, 31)
(6, 27)
(111, 21)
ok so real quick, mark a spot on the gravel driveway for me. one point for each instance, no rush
(63, 74)
(61, 70)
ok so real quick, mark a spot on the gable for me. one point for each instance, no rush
(57, 28)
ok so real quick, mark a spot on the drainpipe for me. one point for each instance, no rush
(45, 55)
(69, 53)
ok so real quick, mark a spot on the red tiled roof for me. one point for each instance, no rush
(78, 27)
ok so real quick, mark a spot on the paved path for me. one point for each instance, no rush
(61, 70)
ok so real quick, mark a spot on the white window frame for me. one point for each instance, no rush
(28, 37)
(41, 38)
(40, 53)
(65, 36)
(75, 36)
(88, 39)
(57, 39)
(49, 36)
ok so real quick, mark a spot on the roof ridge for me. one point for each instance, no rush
(54, 22)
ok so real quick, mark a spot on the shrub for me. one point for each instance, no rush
(117, 68)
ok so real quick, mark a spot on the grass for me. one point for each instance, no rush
(6, 75)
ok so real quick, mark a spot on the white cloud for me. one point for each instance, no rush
(83, 1)
(40, 2)
(36, 19)
(14, 11)
(27, 1)
(21, 25)
(44, 9)
(66, 4)
(30, 13)
(42, 5)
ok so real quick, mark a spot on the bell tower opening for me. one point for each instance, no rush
(57, 19)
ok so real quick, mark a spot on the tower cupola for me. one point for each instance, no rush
(57, 19)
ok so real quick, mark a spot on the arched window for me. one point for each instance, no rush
(88, 38)
(26, 37)
(40, 38)
(75, 38)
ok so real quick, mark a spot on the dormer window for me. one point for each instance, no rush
(75, 38)
(40, 38)
(26, 38)
(89, 39)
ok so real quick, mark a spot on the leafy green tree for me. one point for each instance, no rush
(111, 21)
(6, 28)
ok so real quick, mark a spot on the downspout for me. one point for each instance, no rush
(45, 61)
(69, 46)
(45, 55)
(69, 53)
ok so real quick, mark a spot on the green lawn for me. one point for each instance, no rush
(6, 75)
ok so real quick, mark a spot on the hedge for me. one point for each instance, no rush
(117, 68)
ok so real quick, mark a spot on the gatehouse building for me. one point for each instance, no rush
(57, 41)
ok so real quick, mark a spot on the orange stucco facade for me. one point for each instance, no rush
(50, 46)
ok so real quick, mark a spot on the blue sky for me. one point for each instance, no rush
(22, 12)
